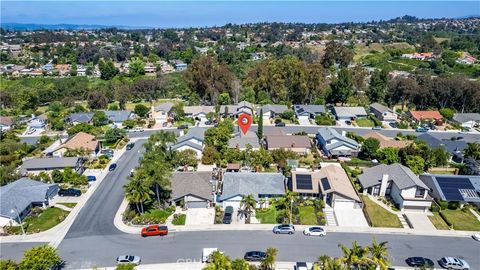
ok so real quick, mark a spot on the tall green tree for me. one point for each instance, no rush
(136, 68)
(369, 148)
(260, 125)
(218, 261)
(107, 70)
(341, 87)
(378, 86)
(137, 193)
(379, 254)
(247, 204)
(472, 151)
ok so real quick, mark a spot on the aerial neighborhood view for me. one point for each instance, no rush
(232, 135)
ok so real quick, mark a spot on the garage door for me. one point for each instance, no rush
(344, 204)
(303, 117)
(198, 204)
(414, 208)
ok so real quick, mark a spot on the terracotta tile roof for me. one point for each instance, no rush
(5, 120)
(421, 115)
(81, 140)
(386, 141)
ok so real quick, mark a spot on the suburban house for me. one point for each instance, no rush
(198, 112)
(240, 141)
(19, 197)
(349, 113)
(262, 186)
(80, 141)
(192, 140)
(6, 123)
(296, 143)
(307, 112)
(334, 144)
(271, 111)
(426, 116)
(81, 117)
(330, 183)
(453, 188)
(466, 59)
(453, 147)
(235, 110)
(192, 189)
(37, 122)
(38, 165)
(383, 113)
(179, 65)
(467, 120)
(399, 183)
(118, 117)
(387, 141)
(161, 113)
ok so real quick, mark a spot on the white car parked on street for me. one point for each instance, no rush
(127, 259)
(315, 231)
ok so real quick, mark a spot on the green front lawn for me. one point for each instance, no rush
(267, 215)
(179, 219)
(364, 122)
(158, 215)
(462, 220)
(47, 219)
(307, 215)
(380, 217)
(438, 222)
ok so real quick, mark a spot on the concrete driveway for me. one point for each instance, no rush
(200, 216)
(420, 221)
(304, 122)
(350, 217)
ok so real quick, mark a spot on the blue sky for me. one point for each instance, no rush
(202, 13)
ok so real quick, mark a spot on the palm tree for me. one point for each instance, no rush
(327, 263)
(218, 262)
(138, 193)
(286, 203)
(157, 174)
(379, 254)
(354, 256)
(247, 204)
(268, 263)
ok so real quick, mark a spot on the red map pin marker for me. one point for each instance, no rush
(244, 122)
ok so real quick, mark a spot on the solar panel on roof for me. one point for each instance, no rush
(325, 183)
(451, 187)
(304, 181)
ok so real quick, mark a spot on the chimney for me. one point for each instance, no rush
(383, 185)
(33, 116)
(344, 133)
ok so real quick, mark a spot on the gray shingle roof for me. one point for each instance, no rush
(195, 110)
(166, 107)
(452, 147)
(22, 193)
(465, 117)
(49, 163)
(191, 183)
(246, 183)
(118, 116)
(380, 108)
(308, 109)
(402, 176)
(328, 133)
(83, 117)
(241, 141)
(277, 109)
(349, 111)
(195, 132)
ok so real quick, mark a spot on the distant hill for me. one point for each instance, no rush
(32, 26)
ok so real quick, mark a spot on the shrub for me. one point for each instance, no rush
(453, 205)
(435, 208)
(319, 203)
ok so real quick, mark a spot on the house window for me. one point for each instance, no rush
(419, 193)
(376, 190)
(389, 188)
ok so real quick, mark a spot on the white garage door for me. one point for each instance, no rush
(197, 204)
(344, 204)
(414, 208)
(303, 117)
(234, 204)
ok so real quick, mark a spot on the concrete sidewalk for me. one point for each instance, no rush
(299, 228)
(56, 234)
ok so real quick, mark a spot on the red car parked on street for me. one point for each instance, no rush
(153, 230)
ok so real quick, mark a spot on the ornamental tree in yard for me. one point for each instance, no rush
(40, 258)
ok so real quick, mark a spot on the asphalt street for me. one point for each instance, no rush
(93, 240)
(469, 137)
